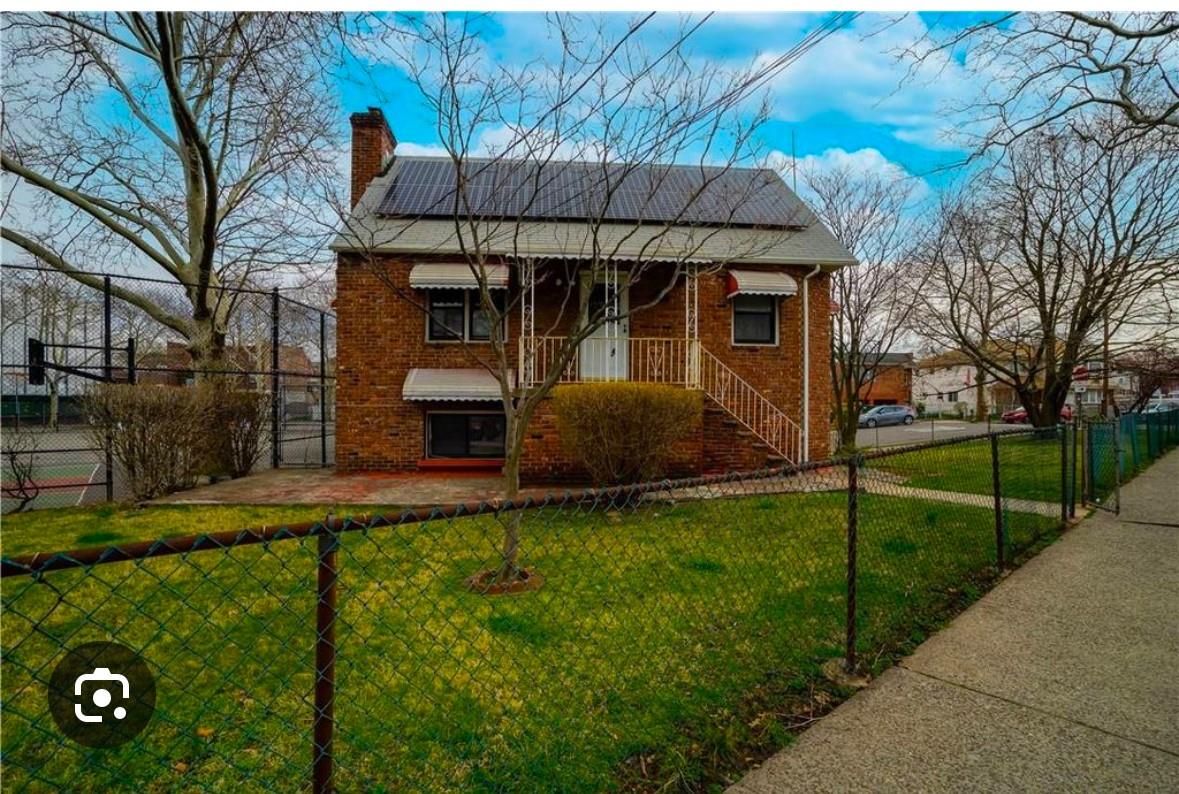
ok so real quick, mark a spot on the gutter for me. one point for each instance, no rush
(806, 362)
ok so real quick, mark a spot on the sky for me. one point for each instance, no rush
(850, 99)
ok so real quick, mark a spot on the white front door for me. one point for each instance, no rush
(603, 354)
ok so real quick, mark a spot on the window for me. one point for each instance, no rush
(465, 435)
(755, 320)
(458, 314)
(952, 397)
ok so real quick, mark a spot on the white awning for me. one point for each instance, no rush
(761, 282)
(474, 385)
(455, 275)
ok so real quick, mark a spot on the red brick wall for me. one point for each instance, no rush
(381, 336)
(890, 385)
(372, 143)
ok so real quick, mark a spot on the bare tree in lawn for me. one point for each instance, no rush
(607, 99)
(1040, 70)
(1080, 237)
(174, 142)
(871, 302)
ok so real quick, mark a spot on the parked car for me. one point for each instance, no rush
(1161, 406)
(884, 415)
(1019, 416)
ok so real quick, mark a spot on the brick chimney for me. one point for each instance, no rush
(372, 146)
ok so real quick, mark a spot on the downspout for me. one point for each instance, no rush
(806, 362)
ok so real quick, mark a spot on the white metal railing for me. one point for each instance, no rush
(750, 407)
(641, 359)
(680, 362)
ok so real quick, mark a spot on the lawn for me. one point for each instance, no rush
(652, 626)
(111, 524)
(1029, 467)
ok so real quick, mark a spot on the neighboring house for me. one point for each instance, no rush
(888, 379)
(948, 383)
(410, 398)
(1123, 388)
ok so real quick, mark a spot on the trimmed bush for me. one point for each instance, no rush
(623, 432)
(237, 426)
(156, 433)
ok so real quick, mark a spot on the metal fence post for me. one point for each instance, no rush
(109, 376)
(1117, 451)
(325, 660)
(849, 662)
(1065, 496)
(1000, 545)
(131, 377)
(323, 461)
(1072, 508)
(275, 437)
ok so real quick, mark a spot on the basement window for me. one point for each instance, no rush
(465, 435)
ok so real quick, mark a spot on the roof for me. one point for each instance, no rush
(873, 359)
(456, 275)
(760, 282)
(473, 385)
(571, 190)
(795, 236)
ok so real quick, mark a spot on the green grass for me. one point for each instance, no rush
(1029, 467)
(652, 627)
(111, 524)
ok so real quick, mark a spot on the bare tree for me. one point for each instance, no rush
(872, 302)
(624, 111)
(1152, 369)
(20, 463)
(1042, 70)
(173, 141)
(1070, 235)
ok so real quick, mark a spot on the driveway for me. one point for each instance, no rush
(920, 431)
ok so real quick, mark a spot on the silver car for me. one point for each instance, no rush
(884, 415)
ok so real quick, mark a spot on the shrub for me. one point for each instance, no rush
(623, 432)
(156, 433)
(237, 423)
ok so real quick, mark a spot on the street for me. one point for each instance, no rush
(920, 431)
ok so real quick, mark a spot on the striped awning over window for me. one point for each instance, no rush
(761, 282)
(450, 385)
(455, 275)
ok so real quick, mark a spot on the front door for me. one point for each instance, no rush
(603, 354)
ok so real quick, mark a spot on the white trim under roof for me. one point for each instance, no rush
(455, 275)
(451, 385)
(761, 282)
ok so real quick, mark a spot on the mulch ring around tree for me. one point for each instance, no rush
(486, 582)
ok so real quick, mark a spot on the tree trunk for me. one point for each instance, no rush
(54, 402)
(206, 346)
(509, 569)
(981, 409)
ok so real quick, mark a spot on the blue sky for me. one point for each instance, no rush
(849, 97)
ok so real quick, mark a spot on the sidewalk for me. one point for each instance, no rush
(1065, 676)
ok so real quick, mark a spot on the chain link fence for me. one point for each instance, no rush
(60, 337)
(1116, 449)
(373, 653)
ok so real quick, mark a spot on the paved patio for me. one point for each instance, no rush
(325, 486)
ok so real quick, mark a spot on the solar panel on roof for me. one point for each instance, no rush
(577, 191)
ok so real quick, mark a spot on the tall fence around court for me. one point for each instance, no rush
(86, 334)
(368, 653)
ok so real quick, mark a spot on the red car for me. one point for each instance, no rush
(1019, 416)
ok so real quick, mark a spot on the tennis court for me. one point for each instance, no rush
(59, 484)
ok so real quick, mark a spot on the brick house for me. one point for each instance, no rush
(725, 296)
(889, 379)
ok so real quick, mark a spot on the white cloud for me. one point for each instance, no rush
(862, 161)
(858, 71)
(412, 149)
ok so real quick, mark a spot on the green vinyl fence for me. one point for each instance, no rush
(1133, 440)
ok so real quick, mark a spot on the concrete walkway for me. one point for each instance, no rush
(1064, 677)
